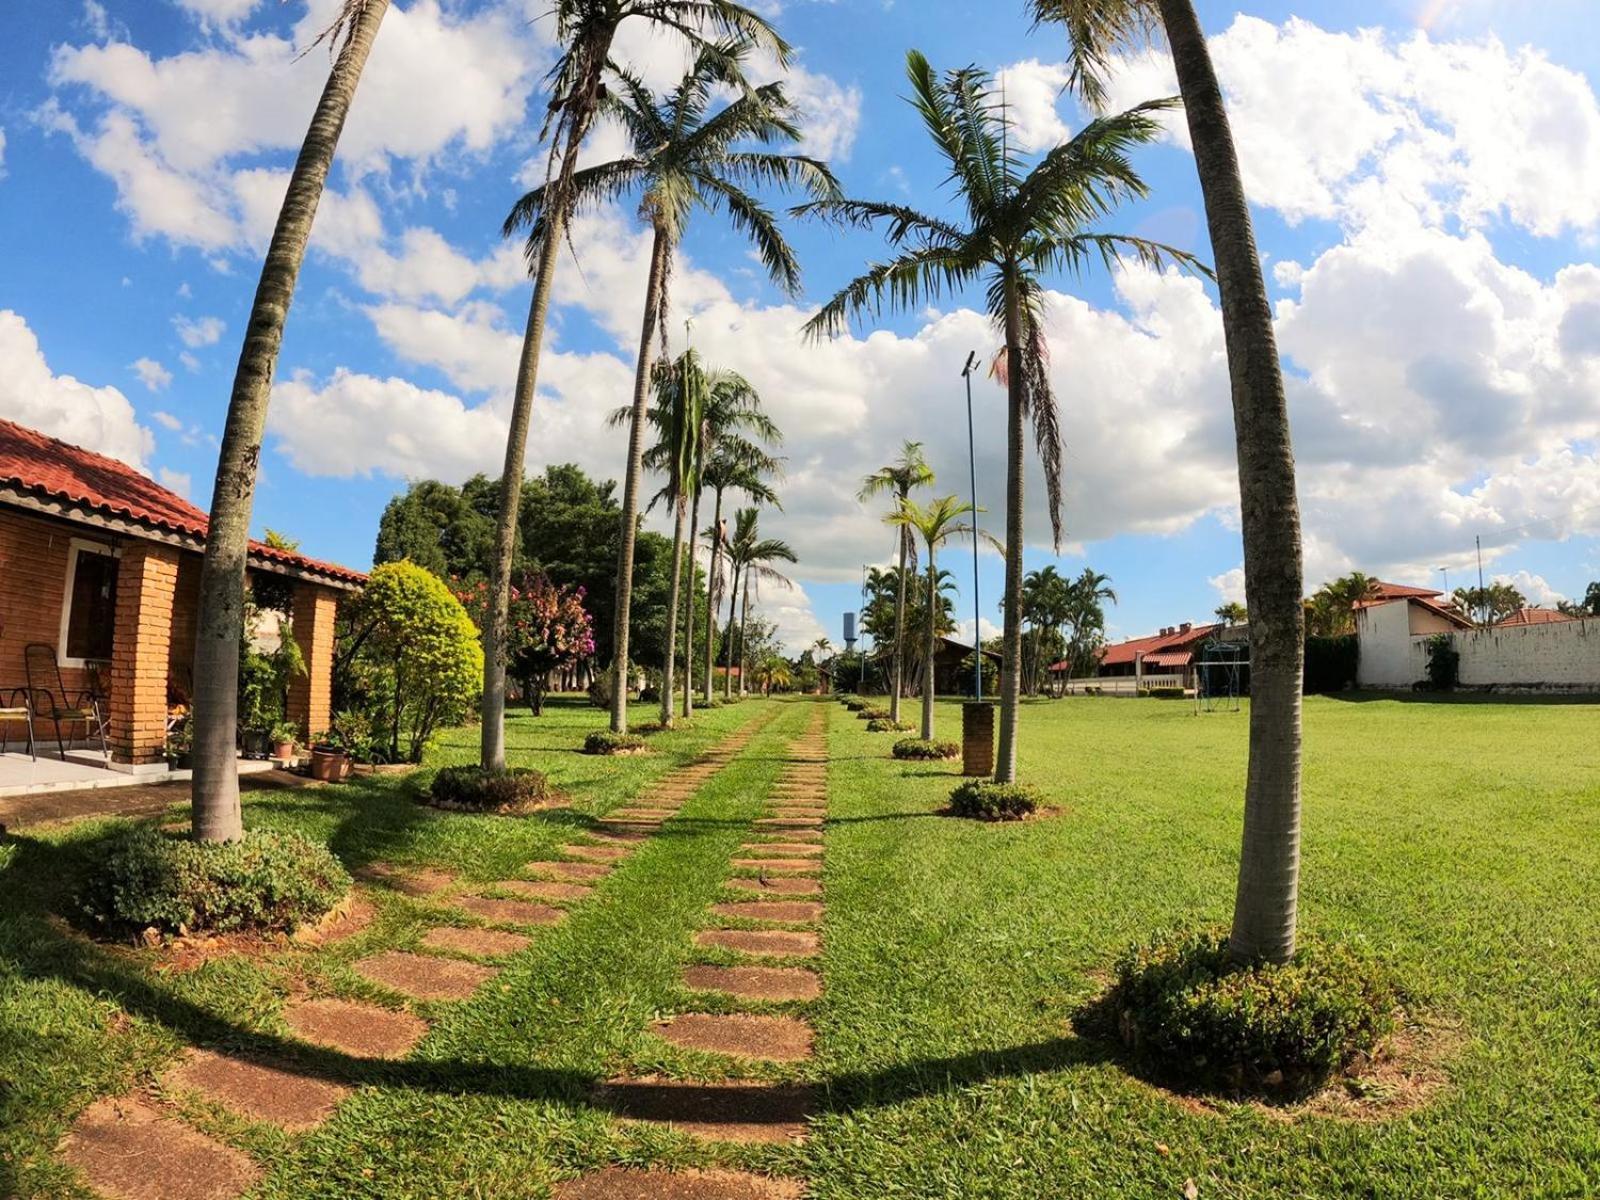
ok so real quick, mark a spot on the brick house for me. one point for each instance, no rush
(102, 564)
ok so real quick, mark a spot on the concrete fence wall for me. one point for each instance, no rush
(1559, 657)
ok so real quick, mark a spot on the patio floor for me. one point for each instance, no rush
(49, 788)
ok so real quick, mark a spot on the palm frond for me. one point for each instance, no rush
(916, 277)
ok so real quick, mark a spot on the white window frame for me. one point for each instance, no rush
(75, 547)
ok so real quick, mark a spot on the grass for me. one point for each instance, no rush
(1460, 842)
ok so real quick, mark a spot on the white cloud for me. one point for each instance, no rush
(2, 152)
(1032, 91)
(1535, 587)
(175, 481)
(189, 361)
(195, 332)
(1229, 585)
(219, 12)
(167, 421)
(99, 418)
(963, 631)
(152, 374)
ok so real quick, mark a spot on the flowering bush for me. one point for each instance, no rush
(549, 628)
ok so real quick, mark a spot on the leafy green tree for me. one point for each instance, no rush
(414, 654)
(584, 31)
(1331, 611)
(1019, 226)
(439, 527)
(899, 479)
(684, 154)
(1492, 604)
(220, 622)
(1232, 612)
(751, 557)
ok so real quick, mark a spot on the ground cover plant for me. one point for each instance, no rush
(472, 788)
(603, 741)
(1453, 841)
(925, 748)
(986, 800)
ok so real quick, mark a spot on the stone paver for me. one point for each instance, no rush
(416, 882)
(258, 1090)
(782, 850)
(542, 889)
(597, 853)
(634, 1183)
(771, 910)
(723, 1112)
(359, 1030)
(579, 871)
(128, 1150)
(742, 1035)
(510, 912)
(778, 885)
(780, 866)
(486, 943)
(424, 976)
(756, 983)
(766, 943)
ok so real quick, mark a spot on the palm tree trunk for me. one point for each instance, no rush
(1005, 768)
(711, 605)
(744, 624)
(220, 626)
(660, 251)
(688, 612)
(928, 656)
(727, 658)
(1269, 866)
(672, 617)
(899, 630)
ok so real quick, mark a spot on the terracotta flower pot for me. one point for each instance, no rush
(328, 764)
(283, 750)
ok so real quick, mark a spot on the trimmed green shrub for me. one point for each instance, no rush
(1165, 693)
(1444, 662)
(1191, 1014)
(986, 800)
(872, 714)
(885, 725)
(603, 741)
(474, 789)
(918, 748)
(266, 882)
(855, 703)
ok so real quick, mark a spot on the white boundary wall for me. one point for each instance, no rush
(1563, 656)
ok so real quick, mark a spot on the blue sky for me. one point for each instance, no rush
(1426, 182)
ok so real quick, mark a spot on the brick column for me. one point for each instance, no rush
(310, 695)
(147, 577)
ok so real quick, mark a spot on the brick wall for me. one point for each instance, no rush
(310, 695)
(33, 580)
(146, 583)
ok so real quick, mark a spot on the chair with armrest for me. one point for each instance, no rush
(49, 700)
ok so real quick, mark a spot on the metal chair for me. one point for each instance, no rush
(15, 712)
(52, 704)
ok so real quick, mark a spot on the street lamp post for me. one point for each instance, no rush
(972, 469)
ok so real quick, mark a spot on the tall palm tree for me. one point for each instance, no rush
(731, 467)
(899, 479)
(684, 155)
(1019, 225)
(1266, 903)
(937, 523)
(752, 556)
(1044, 600)
(585, 30)
(681, 390)
(220, 626)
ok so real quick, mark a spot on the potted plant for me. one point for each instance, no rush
(283, 736)
(329, 760)
(180, 741)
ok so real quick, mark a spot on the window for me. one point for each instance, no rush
(89, 616)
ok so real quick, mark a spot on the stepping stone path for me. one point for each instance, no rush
(127, 1148)
(782, 858)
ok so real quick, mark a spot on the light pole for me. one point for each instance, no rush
(972, 469)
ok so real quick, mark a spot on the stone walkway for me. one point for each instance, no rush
(772, 940)
(133, 1148)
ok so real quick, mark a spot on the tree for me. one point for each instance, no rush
(417, 655)
(220, 623)
(684, 156)
(1331, 611)
(681, 393)
(1589, 606)
(1266, 902)
(550, 631)
(937, 523)
(1085, 618)
(440, 527)
(899, 479)
(1231, 612)
(751, 557)
(774, 672)
(738, 466)
(1019, 225)
(584, 29)
(1493, 604)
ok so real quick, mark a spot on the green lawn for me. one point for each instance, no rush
(1459, 841)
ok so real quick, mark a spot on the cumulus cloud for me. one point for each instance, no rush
(1229, 585)
(99, 418)
(176, 481)
(1033, 91)
(195, 332)
(1535, 587)
(2, 152)
(152, 374)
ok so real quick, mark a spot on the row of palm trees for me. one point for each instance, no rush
(1018, 226)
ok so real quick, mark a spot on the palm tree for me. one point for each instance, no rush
(1265, 906)
(1019, 225)
(751, 557)
(220, 625)
(681, 394)
(899, 478)
(1045, 595)
(774, 672)
(937, 523)
(1231, 612)
(585, 30)
(683, 156)
(739, 467)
